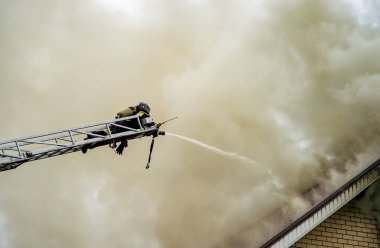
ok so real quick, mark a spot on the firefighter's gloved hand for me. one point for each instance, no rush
(119, 149)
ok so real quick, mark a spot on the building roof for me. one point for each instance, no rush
(326, 208)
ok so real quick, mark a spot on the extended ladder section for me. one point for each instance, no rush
(325, 209)
(18, 151)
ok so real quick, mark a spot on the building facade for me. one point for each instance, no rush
(349, 227)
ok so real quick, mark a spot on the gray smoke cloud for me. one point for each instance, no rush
(294, 86)
(370, 202)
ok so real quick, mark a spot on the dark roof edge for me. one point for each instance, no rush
(321, 204)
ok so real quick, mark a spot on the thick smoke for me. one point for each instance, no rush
(295, 87)
(370, 202)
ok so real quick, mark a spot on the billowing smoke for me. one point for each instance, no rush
(294, 86)
(370, 202)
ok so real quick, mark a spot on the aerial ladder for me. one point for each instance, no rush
(16, 152)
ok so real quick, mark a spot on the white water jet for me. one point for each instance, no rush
(270, 179)
(232, 155)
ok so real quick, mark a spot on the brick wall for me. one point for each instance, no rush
(347, 228)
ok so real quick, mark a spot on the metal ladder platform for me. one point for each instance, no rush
(15, 152)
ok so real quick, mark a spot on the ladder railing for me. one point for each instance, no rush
(17, 151)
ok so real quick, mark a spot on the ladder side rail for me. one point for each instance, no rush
(53, 153)
(95, 140)
(10, 156)
(31, 141)
(29, 146)
(81, 143)
(62, 134)
(41, 143)
(56, 134)
(11, 148)
(69, 129)
(56, 151)
(65, 135)
(26, 143)
(62, 142)
(124, 127)
(85, 133)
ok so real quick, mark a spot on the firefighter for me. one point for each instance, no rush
(142, 110)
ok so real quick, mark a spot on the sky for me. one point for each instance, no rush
(293, 86)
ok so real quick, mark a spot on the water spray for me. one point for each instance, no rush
(229, 154)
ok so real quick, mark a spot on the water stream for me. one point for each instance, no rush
(228, 154)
